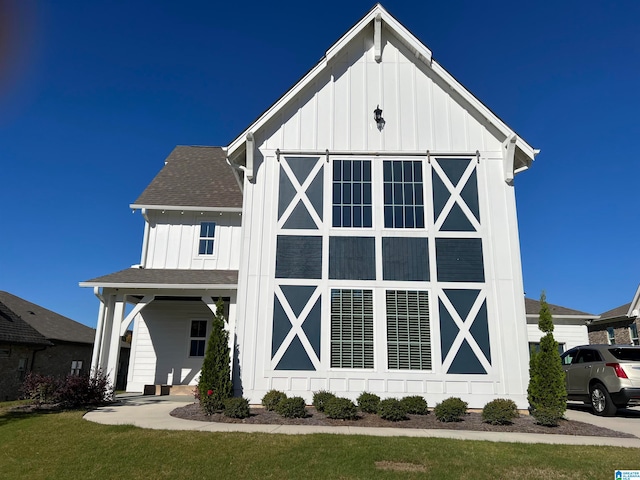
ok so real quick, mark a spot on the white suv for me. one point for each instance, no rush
(606, 376)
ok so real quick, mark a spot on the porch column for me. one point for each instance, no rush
(114, 347)
(97, 343)
(105, 341)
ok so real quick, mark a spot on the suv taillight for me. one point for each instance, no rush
(618, 369)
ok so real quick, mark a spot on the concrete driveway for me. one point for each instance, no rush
(626, 420)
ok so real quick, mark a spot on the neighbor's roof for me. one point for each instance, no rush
(193, 177)
(166, 278)
(620, 311)
(50, 325)
(532, 307)
(15, 330)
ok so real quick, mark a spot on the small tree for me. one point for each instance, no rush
(215, 384)
(547, 393)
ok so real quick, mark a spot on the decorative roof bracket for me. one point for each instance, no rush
(377, 37)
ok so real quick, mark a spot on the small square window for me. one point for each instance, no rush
(207, 238)
(198, 336)
(76, 367)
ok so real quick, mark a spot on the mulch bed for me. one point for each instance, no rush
(472, 421)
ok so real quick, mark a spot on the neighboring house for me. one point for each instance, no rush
(365, 240)
(569, 326)
(33, 338)
(619, 325)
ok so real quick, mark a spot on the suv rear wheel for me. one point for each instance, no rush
(601, 401)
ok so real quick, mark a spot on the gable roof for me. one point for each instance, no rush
(15, 330)
(628, 310)
(50, 325)
(193, 178)
(532, 308)
(524, 153)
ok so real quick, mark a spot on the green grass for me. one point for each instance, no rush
(64, 446)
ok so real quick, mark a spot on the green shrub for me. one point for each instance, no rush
(500, 412)
(547, 392)
(392, 409)
(368, 402)
(415, 405)
(237, 407)
(214, 385)
(341, 409)
(272, 398)
(450, 410)
(293, 407)
(321, 398)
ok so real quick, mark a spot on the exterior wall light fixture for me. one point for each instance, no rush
(377, 116)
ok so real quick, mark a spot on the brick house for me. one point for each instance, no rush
(619, 325)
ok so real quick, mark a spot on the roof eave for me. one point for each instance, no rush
(185, 208)
(167, 286)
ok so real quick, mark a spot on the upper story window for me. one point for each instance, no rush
(403, 194)
(611, 335)
(352, 193)
(633, 333)
(207, 238)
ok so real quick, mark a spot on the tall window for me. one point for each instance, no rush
(76, 367)
(207, 237)
(197, 338)
(611, 335)
(352, 328)
(352, 193)
(408, 332)
(633, 333)
(403, 194)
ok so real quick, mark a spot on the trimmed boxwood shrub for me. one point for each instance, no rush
(321, 398)
(500, 412)
(341, 409)
(392, 409)
(293, 407)
(368, 402)
(272, 398)
(450, 410)
(415, 405)
(237, 407)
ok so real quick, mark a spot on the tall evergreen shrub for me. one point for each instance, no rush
(547, 393)
(215, 384)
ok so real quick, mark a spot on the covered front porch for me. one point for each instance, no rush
(171, 312)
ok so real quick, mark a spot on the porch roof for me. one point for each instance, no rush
(166, 278)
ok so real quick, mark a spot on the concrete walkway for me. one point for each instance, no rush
(153, 412)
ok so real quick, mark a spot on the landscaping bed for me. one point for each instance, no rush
(472, 421)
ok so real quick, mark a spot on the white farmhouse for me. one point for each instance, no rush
(362, 232)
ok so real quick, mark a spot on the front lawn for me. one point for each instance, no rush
(64, 446)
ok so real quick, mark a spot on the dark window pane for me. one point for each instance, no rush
(357, 193)
(346, 216)
(388, 217)
(203, 229)
(417, 171)
(408, 171)
(337, 198)
(419, 217)
(387, 171)
(357, 170)
(399, 223)
(336, 216)
(408, 194)
(409, 221)
(388, 198)
(397, 171)
(397, 193)
(418, 192)
(346, 170)
(346, 193)
(366, 216)
(366, 194)
(203, 247)
(366, 171)
(337, 166)
(357, 216)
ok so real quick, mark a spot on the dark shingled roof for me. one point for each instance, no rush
(50, 325)
(620, 311)
(533, 307)
(157, 276)
(15, 330)
(194, 177)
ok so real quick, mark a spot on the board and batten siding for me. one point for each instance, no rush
(335, 111)
(174, 235)
(422, 113)
(164, 326)
(570, 335)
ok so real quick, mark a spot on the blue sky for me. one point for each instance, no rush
(94, 96)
